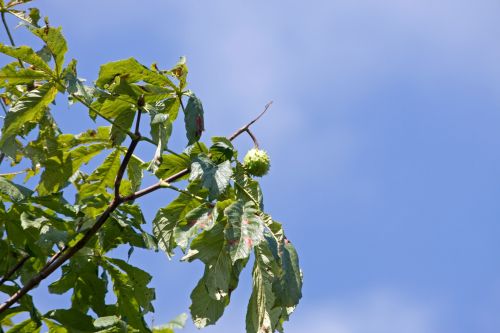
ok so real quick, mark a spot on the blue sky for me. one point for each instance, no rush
(384, 138)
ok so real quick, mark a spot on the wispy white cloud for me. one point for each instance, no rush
(375, 312)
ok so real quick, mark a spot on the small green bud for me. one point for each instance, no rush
(257, 162)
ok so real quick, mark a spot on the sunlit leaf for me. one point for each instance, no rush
(131, 70)
(55, 42)
(29, 109)
(26, 54)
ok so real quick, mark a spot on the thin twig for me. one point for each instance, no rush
(244, 128)
(181, 103)
(3, 106)
(10, 35)
(7, 29)
(7, 275)
(254, 139)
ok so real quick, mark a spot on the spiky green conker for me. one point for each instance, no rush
(257, 162)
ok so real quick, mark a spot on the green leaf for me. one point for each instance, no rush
(168, 218)
(127, 287)
(139, 280)
(29, 109)
(15, 192)
(54, 327)
(59, 169)
(245, 229)
(27, 326)
(210, 248)
(13, 3)
(291, 279)
(26, 54)
(55, 42)
(246, 187)
(163, 114)
(75, 86)
(103, 177)
(222, 149)
(122, 122)
(277, 283)
(134, 172)
(262, 316)
(204, 309)
(12, 75)
(214, 177)
(212, 294)
(172, 164)
(89, 289)
(131, 70)
(107, 321)
(72, 319)
(112, 106)
(57, 203)
(193, 119)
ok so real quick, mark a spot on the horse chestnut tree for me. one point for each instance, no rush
(217, 217)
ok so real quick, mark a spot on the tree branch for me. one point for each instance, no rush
(10, 35)
(67, 252)
(254, 139)
(128, 155)
(14, 269)
(7, 29)
(247, 126)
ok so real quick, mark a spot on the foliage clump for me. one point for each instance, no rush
(218, 217)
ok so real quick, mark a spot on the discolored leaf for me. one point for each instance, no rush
(200, 218)
(194, 121)
(245, 229)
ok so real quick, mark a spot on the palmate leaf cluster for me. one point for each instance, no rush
(218, 217)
